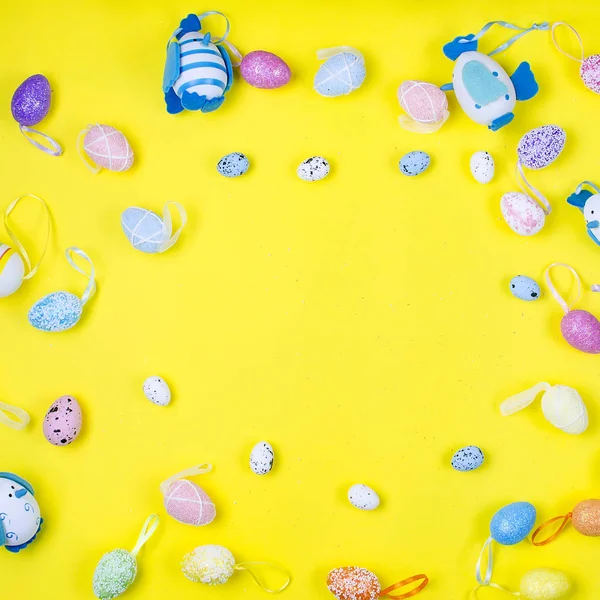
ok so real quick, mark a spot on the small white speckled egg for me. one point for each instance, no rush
(363, 497)
(157, 391)
(524, 288)
(522, 213)
(313, 169)
(482, 167)
(262, 458)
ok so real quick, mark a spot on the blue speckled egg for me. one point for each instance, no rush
(468, 458)
(56, 312)
(524, 288)
(144, 229)
(513, 523)
(233, 165)
(414, 163)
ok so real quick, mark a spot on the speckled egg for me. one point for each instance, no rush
(586, 517)
(211, 565)
(524, 288)
(62, 423)
(262, 458)
(233, 165)
(31, 101)
(482, 166)
(363, 497)
(313, 169)
(513, 523)
(541, 146)
(590, 72)
(353, 583)
(468, 458)
(522, 213)
(264, 70)
(157, 390)
(544, 584)
(414, 163)
(56, 312)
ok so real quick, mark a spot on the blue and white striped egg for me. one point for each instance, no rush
(56, 312)
(144, 229)
(525, 288)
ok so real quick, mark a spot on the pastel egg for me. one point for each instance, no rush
(541, 146)
(31, 101)
(581, 330)
(210, 564)
(313, 169)
(144, 229)
(157, 390)
(12, 271)
(544, 584)
(564, 408)
(468, 458)
(513, 523)
(522, 214)
(188, 503)
(353, 583)
(108, 148)
(590, 72)
(233, 165)
(341, 74)
(414, 163)
(586, 517)
(482, 166)
(62, 423)
(262, 458)
(264, 70)
(524, 288)
(56, 312)
(363, 497)
(423, 102)
(114, 573)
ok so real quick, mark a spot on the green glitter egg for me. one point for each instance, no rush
(114, 573)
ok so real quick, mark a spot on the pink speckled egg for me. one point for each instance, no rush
(108, 148)
(590, 72)
(521, 213)
(188, 503)
(581, 330)
(423, 102)
(264, 70)
(62, 423)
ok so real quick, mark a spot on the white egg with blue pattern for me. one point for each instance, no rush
(525, 288)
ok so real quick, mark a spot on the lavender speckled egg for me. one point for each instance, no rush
(590, 72)
(31, 100)
(524, 288)
(264, 70)
(62, 423)
(522, 213)
(513, 523)
(468, 458)
(414, 163)
(541, 146)
(581, 330)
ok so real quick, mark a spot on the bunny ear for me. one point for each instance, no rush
(522, 400)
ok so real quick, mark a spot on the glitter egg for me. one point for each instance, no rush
(524, 288)
(264, 70)
(544, 584)
(12, 271)
(107, 148)
(211, 565)
(522, 214)
(468, 458)
(586, 517)
(581, 330)
(590, 72)
(541, 146)
(513, 523)
(62, 423)
(144, 229)
(115, 572)
(31, 101)
(56, 312)
(414, 163)
(340, 75)
(423, 102)
(188, 503)
(233, 165)
(353, 583)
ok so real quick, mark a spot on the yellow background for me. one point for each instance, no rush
(363, 325)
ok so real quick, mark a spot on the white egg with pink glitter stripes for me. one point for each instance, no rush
(522, 213)
(188, 503)
(107, 148)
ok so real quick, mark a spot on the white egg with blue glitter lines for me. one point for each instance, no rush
(363, 497)
(524, 288)
(56, 312)
(414, 163)
(262, 458)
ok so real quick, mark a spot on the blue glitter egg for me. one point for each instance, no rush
(513, 523)
(414, 163)
(341, 74)
(524, 288)
(56, 312)
(468, 458)
(233, 165)
(144, 229)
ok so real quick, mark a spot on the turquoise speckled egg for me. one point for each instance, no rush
(513, 523)
(414, 163)
(56, 312)
(468, 458)
(233, 165)
(524, 288)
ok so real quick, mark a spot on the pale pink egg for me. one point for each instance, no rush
(590, 72)
(521, 213)
(107, 147)
(423, 102)
(262, 69)
(581, 330)
(188, 503)
(62, 423)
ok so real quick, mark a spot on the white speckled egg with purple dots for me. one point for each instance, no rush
(468, 458)
(541, 146)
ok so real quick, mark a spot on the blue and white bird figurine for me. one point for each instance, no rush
(198, 71)
(20, 519)
(589, 204)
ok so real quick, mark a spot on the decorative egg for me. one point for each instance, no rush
(482, 166)
(524, 288)
(581, 330)
(31, 101)
(423, 102)
(586, 517)
(157, 391)
(144, 229)
(211, 565)
(114, 573)
(233, 165)
(544, 584)
(468, 458)
(513, 523)
(353, 583)
(262, 458)
(522, 214)
(590, 72)
(340, 75)
(313, 169)
(265, 70)
(563, 407)
(414, 163)
(12, 271)
(108, 148)
(541, 146)
(363, 497)
(62, 423)
(56, 312)
(188, 503)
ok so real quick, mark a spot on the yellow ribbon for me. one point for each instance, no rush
(197, 470)
(245, 566)
(20, 420)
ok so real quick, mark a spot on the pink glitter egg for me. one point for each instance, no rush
(581, 330)
(108, 148)
(590, 72)
(423, 102)
(264, 70)
(188, 503)
(522, 214)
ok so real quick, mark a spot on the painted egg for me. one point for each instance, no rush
(157, 390)
(414, 163)
(544, 584)
(114, 573)
(12, 271)
(31, 101)
(522, 214)
(340, 75)
(581, 330)
(108, 148)
(20, 518)
(482, 166)
(313, 169)
(524, 288)
(262, 458)
(233, 165)
(264, 70)
(353, 583)
(56, 312)
(188, 503)
(586, 517)
(211, 565)
(144, 229)
(541, 146)
(363, 497)
(513, 523)
(423, 102)
(590, 72)
(62, 423)
(564, 408)
(468, 458)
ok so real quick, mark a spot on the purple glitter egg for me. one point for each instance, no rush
(541, 146)
(264, 70)
(31, 102)
(581, 330)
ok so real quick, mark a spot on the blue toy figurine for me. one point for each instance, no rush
(589, 204)
(198, 71)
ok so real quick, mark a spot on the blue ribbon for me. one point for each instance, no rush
(545, 26)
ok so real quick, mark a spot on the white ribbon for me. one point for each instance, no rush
(91, 286)
(54, 150)
(566, 307)
(541, 199)
(326, 53)
(558, 47)
(18, 418)
(490, 563)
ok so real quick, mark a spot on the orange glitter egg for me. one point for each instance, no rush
(353, 583)
(586, 517)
